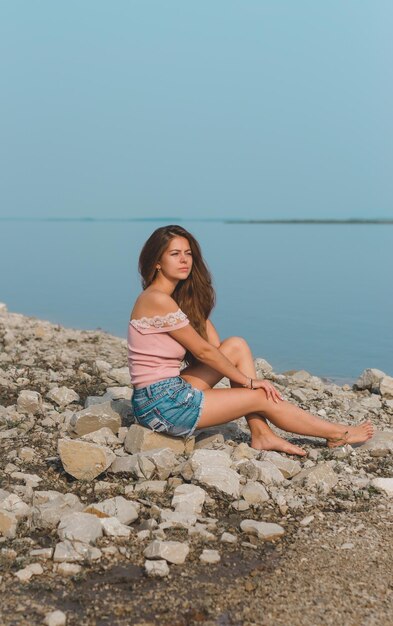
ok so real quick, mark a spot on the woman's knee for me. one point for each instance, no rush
(235, 346)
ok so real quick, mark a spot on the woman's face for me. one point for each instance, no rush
(176, 261)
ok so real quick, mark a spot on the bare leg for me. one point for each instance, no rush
(262, 436)
(224, 405)
(204, 377)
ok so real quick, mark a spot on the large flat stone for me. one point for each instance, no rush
(80, 527)
(220, 478)
(262, 530)
(94, 418)
(287, 467)
(84, 460)
(74, 551)
(264, 471)
(50, 506)
(188, 498)
(62, 396)
(121, 508)
(171, 551)
(384, 484)
(140, 439)
(254, 493)
(136, 465)
(164, 460)
(321, 476)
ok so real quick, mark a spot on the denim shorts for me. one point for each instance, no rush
(171, 406)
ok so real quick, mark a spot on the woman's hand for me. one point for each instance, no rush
(269, 389)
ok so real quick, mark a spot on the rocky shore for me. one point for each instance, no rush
(104, 522)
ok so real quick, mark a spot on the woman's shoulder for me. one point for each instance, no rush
(151, 303)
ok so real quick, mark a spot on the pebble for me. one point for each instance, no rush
(157, 569)
(55, 618)
(210, 556)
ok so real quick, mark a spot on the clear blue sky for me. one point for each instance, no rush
(210, 108)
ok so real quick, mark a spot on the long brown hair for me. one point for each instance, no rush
(195, 295)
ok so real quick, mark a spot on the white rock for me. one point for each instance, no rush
(15, 505)
(62, 396)
(27, 454)
(221, 478)
(50, 506)
(262, 366)
(211, 442)
(321, 476)
(264, 471)
(42, 553)
(383, 484)
(55, 618)
(68, 569)
(24, 575)
(164, 460)
(370, 379)
(228, 538)
(121, 375)
(254, 493)
(94, 418)
(124, 510)
(84, 460)
(386, 387)
(8, 524)
(3, 308)
(103, 436)
(240, 505)
(80, 527)
(172, 551)
(210, 556)
(188, 498)
(68, 551)
(263, 530)
(113, 528)
(140, 439)
(177, 519)
(209, 458)
(158, 569)
(133, 464)
(152, 486)
(306, 520)
(287, 467)
(29, 402)
(300, 377)
(30, 480)
(201, 531)
(243, 451)
(381, 441)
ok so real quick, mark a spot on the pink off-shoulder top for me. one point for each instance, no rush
(153, 354)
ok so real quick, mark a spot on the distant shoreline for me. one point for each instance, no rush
(311, 221)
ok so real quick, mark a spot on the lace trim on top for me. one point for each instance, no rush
(160, 321)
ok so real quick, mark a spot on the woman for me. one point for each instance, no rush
(170, 321)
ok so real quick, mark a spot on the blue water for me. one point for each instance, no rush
(317, 297)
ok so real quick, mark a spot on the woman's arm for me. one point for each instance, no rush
(188, 337)
(212, 334)
(208, 354)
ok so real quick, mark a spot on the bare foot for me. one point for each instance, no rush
(351, 434)
(274, 442)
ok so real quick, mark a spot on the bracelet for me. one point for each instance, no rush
(249, 386)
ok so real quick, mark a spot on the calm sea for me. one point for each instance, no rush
(305, 296)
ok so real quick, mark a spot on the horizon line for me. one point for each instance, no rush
(349, 220)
